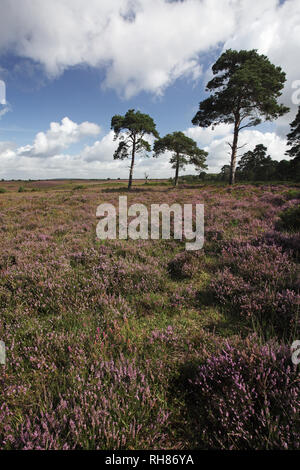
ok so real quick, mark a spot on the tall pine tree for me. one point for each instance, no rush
(184, 151)
(245, 89)
(131, 130)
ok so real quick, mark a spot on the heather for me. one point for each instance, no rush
(246, 397)
(259, 282)
(139, 344)
(290, 218)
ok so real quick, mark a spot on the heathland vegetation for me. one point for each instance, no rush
(140, 344)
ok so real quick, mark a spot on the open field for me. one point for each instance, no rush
(70, 184)
(141, 344)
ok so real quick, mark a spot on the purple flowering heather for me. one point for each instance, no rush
(97, 332)
(259, 281)
(247, 397)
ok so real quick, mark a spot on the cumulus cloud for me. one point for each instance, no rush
(96, 160)
(215, 142)
(204, 136)
(142, 45)
(101, 150)
(51, 159)
(147, 45)
(58, 138)
(6, 147)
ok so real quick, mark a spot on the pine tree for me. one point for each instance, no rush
(135, 126)
(244, 89)
(185, 151)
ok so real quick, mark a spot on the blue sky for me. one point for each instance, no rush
(77, 63)
(77, 93)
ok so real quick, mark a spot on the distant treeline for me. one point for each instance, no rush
(255, 165)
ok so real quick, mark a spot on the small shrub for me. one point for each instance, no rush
(260, 283)
(247, 397)
(269, 310)
(3, 190)
(290, 219)
(114, 406)
(260, 264)
(185, 265)
(292, 194)
(289, 242)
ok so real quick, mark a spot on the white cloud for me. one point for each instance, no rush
(147, 45)
(93, 161)
(204, 136)
(219, 150)
(6, 147)
(58, 138)
(101, 150)
(96, 161)
(143, 45)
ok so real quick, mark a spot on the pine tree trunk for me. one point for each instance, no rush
(177, 171)
(234, 152)
(131, 166)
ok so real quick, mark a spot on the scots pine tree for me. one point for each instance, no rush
(184, 151)
(245, 89)
(131, 130)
